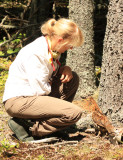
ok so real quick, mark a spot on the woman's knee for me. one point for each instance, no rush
(76, 114)
(73, 115)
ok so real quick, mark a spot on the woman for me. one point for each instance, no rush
(38, 91)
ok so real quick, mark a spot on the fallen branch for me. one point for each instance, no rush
(16, 34)
(14, 37)
(8, 35)
(3, 20)
(8, 26)
(7, 55)
(11, 14)
(25, 9)
(52, 145)
(17, 19)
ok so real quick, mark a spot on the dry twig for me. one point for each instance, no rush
(51, 145)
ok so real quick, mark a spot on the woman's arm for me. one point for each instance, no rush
(37, 72)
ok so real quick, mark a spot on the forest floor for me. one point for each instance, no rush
(73, 146)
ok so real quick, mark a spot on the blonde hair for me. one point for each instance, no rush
(65, 28)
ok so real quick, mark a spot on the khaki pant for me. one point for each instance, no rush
(50, 113)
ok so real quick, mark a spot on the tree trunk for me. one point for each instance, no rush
(81, 59)
(111, 83)
(40, 11)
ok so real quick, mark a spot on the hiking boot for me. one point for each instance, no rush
(20, 127)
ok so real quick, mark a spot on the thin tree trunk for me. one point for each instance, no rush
(81, 59)
(40, 11)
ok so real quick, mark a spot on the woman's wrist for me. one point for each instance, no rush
(62, 69)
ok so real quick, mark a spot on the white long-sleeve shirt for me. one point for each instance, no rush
(30, 72)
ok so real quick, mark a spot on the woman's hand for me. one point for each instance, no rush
(66, 74)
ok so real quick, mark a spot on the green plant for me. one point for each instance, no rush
(7, 147)
(4, 66)
(13, 46)
(41, 157)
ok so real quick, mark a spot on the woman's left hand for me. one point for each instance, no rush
(66, 74)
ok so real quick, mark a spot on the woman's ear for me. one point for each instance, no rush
(60, 39)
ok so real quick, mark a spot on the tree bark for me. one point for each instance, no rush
(81, 59)
(111, 83)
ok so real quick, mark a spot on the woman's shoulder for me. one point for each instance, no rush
(38, 42)
(36, 48)
(38, 45)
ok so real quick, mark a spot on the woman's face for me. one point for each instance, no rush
(62, 45)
